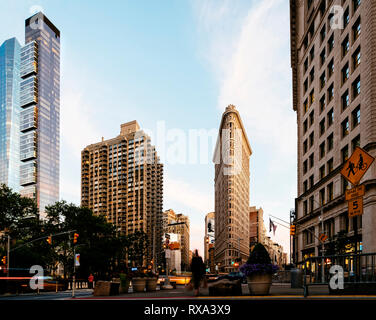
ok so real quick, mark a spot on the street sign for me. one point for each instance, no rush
(77, 260)
(355, 207)
(355, 192)
(357, 165)
(323, 237)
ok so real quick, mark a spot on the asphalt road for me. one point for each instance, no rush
(61, 295)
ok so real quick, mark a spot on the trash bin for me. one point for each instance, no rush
(296, 278)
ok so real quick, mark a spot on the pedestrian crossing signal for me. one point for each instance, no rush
(292, 230)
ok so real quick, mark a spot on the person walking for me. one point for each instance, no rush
(198, 272)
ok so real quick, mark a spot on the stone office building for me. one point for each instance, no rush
(333, 57)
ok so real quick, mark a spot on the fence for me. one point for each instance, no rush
(359, 271)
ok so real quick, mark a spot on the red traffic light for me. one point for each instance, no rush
(4, 260)
(75, 237)
(49, 240)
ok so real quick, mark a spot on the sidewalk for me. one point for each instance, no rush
(277, 291)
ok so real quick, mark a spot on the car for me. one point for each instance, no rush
(234, 276)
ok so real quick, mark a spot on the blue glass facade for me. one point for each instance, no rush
(10, 113)
(40, 119)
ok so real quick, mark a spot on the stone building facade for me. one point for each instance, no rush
(333, 57)
(232, 176)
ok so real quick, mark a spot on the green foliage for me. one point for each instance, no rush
(103, 251)
(259, 255)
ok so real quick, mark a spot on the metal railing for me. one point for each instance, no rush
(357, 269)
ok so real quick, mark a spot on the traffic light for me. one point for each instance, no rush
(207, 239)
(232, 262)
(75, 237)
(4, 260)
(49, 240)
(236, 264)
(292, 230)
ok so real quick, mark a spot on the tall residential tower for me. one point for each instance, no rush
(40, 111)
(122, 179)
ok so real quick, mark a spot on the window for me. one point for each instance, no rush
(331, 92)
(345, 127)
(322, 150)
(311, 118)
(305, 126)
(311, 181)
(311, 139)
(323, 57)
(345, 73)
(330, 191)
(331, 43)
(322, 127)
(345, 153)
(323, 33)
(345, 100)
(322, 172)
(345, 46)
(309, 5)
(305, 147)
(357, 29)
(330, 142)
(305, 207)
(356, 58)
(312, 53)
(312, 75)
(305, 42)
(305, 105)
(305, 85)
(305, 65)
(322, 196)
(305, 186)
(312, 97)
(323, 80)
(356, 117)
(311, 206)
(330, 117)
(330, 68)
(355, 142)
(356, 87)
(346, 18)
(356, 4)
(329, 165)
(322, 103)
(305, 166)
(311, 161)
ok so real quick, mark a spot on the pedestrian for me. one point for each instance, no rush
(91, 280)
(198, 272)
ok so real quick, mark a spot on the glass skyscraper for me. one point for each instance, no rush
(40, 115)
(10, 113)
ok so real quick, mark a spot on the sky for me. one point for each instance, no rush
(174, 66)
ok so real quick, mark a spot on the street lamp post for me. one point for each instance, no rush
(321, 218)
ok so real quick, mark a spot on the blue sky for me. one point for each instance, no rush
(179, 62)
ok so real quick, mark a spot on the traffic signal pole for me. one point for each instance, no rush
(8, 253)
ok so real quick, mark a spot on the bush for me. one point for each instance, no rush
(259, 255)
(259, 262)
